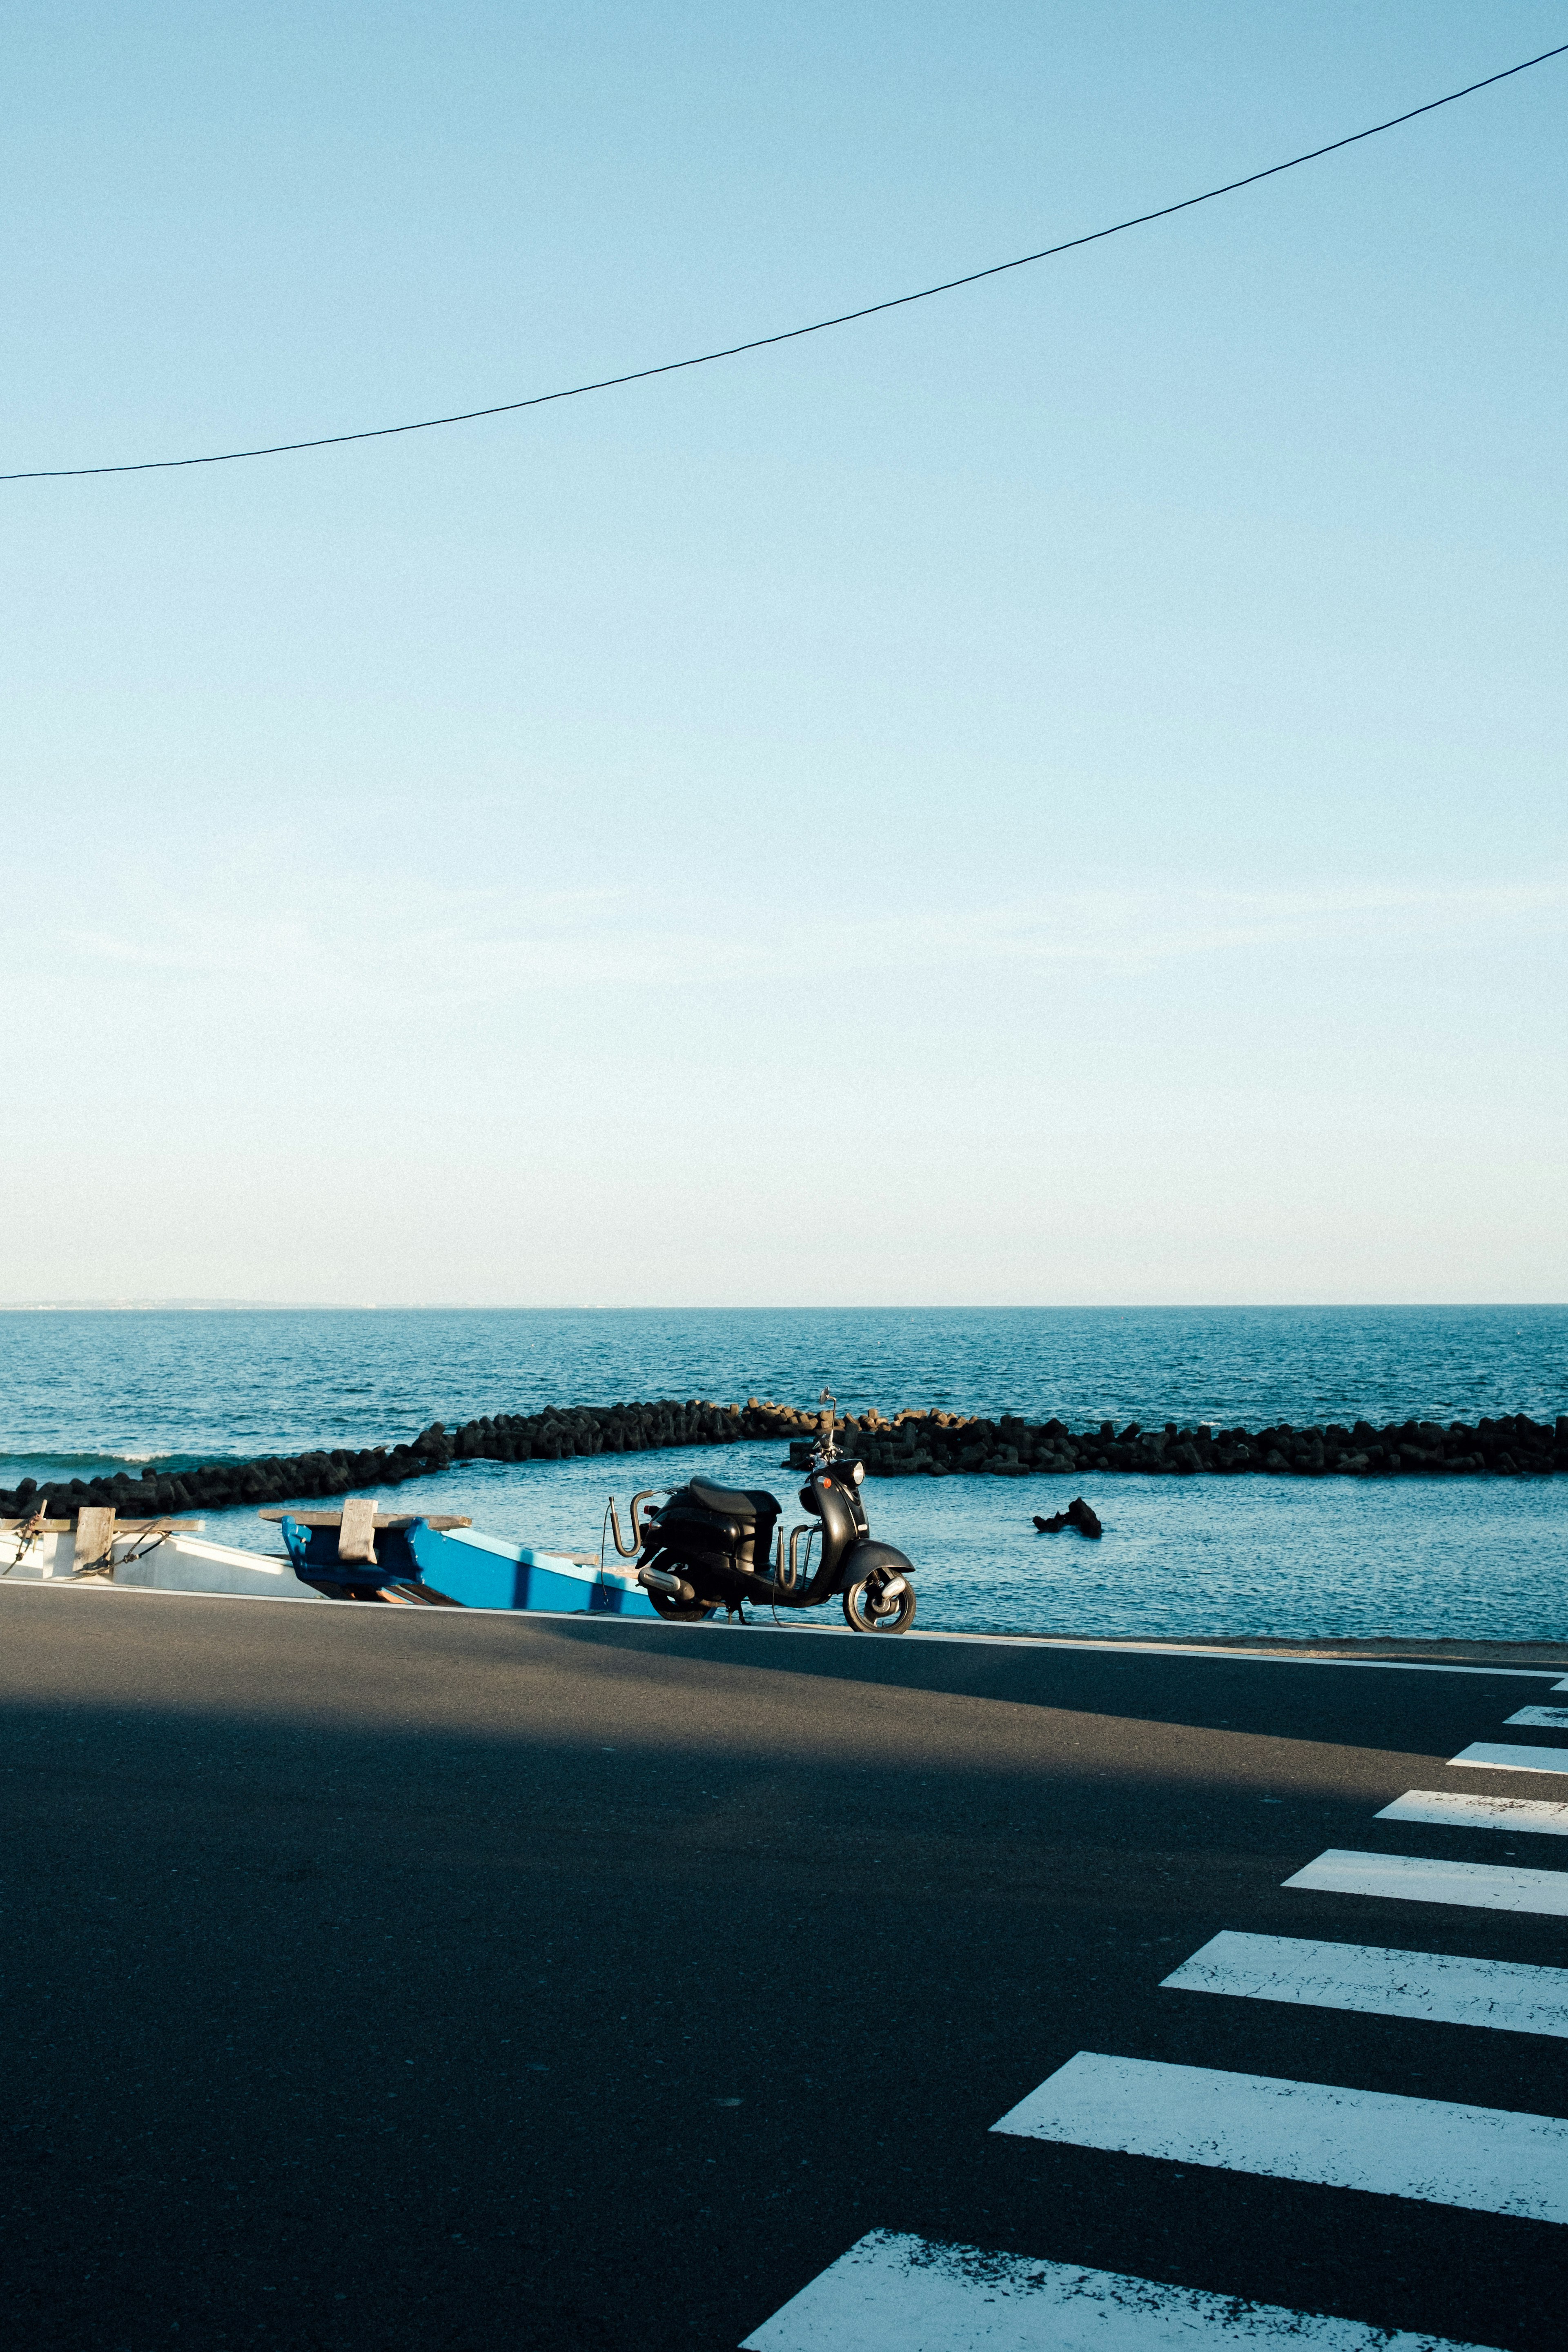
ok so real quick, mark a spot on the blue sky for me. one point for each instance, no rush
(1054, 794)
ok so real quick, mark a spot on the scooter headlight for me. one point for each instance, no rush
(858, 1471)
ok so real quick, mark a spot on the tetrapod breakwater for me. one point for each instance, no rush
(938, 1445)
(906, 1445)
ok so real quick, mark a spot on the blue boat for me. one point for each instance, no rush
(445, 1559)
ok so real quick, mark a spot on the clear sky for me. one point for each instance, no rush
(1054, 794)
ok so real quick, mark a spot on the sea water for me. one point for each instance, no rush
(83, 1391)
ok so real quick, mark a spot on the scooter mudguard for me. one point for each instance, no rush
(868, 1556)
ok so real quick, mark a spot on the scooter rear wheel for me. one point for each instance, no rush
(679, 1613)
(894, 1617)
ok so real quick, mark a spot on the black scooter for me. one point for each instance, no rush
(708, 1548)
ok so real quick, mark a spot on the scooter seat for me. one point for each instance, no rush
(726, 1503)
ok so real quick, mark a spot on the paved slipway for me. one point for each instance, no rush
(458, 1980)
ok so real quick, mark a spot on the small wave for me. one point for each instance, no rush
(86, 1465)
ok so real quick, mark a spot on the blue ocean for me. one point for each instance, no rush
(83, 1390)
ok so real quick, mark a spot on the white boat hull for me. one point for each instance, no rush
(177, 1562)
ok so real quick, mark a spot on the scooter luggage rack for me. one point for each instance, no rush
(612, 1523)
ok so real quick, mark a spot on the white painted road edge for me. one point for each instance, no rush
(1506, 1995)
(1487, 2160)
(1539, 1816)
(1413, 1878)
(897, 2294)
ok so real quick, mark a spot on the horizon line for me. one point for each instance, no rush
(921, 1307)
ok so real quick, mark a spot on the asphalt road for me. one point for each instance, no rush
(455, 1979)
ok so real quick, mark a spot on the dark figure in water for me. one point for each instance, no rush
(1077, 1515)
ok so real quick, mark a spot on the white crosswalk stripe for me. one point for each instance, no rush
(892, 2292)
(1537, 1816)
(1489, 2160)
(1543, 1718)
(1496, 1755)
(1413, 1878)
(1377, 1982)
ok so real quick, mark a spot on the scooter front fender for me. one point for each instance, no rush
(869, 1558)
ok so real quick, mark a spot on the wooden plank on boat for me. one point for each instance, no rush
(94, 1538)
(356, 1531)
(383, 1519)
(121, 1527)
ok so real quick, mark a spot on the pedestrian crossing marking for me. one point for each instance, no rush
(893, 2292)
(1538, 1816)
(1414, 1878)
(1487, 2160)
(1544, 1719)
(1375, 1982)
(1495, 1756)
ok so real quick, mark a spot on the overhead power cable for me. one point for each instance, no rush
(787, 334)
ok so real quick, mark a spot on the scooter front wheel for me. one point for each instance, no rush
(866, 1614)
